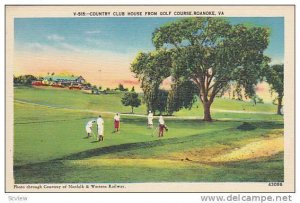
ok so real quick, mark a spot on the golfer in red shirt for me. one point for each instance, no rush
(117, 122)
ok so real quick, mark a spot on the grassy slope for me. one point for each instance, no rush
(112, 102)
(32, 128)
(109, 171)
(73, 99)
(128, 156)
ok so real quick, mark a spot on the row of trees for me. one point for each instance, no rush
(24, 79)
(28, 79)
(119, 88)
(203, 56)
(164, 101)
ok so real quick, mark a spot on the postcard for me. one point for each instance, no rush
(186, 98)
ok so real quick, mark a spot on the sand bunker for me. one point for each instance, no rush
(262, 148)
(267, 145)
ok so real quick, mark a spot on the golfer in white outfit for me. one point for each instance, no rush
(100, 128)
(150, 120)
(88, 127)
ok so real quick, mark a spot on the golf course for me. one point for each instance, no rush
(243, 143)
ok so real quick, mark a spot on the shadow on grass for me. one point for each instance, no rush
(95, 141)
(246, 127)
(267, 169)
(268, 124)
(155, 143)
(256, 124)
(56, 171)
(126, 147)
(112, 149)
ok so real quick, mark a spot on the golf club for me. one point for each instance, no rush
(154, 131)
(94, 135)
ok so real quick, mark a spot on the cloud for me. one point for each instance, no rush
(276, 59)
(98, 42)
(129, 82)
(55, 37)
(35, 46)
(61, 46)
(69, 47)
(92, 32)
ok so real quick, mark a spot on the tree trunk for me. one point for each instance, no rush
(132, 109)
(279, 105)
(207, 116)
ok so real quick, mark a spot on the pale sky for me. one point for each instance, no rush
(101, 49)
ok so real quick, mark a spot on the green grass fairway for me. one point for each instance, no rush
(50, 144)
(112, 102)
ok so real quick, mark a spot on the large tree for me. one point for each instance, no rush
(181, 95)
(211, 53)
(161, 101)
(151, 69)
(275, 76)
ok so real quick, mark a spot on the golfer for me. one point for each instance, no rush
(150, 120)
(117, 122)
(100, 128)
(88, 127)
(162, 126)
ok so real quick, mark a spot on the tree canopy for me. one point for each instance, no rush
(206, 53)
(211, 52)
(151, 69)
(275, 77)
(24, 79)
(181, 95)
(131, 99)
